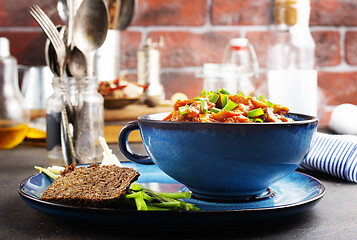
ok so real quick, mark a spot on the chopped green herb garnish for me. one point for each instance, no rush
(183, 109)
(215, 110)
(258, 120)
(200, 99)
(203, 92)
(214, 97)
(204, 106)
(224, 99)
(255, 113)
(260, 98)
(230, 106)
(270, 104)
(210, 93)
(223, 91)
(240, 94)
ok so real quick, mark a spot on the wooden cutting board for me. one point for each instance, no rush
(128, 113)
(116, 119)
(132, 112)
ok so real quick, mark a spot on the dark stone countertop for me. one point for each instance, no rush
(333, 217)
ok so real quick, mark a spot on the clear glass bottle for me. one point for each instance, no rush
(291, 73)
(242, 54)
(85, 114)
(216, 76)
(14, 115)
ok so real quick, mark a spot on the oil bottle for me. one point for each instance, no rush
(14, 114)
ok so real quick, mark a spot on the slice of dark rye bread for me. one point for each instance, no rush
(93, 186)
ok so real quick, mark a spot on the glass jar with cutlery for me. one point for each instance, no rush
(85, 117)
(74, 114)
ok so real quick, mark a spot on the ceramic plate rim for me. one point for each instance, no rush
(93, 209)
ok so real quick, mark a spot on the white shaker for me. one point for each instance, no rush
(148, 70)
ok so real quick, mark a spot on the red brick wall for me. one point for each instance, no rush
(196, 32)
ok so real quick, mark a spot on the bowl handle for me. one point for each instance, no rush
(125, 148)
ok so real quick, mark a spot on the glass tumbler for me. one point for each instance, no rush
(74, 121)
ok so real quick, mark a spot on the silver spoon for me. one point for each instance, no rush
(126, 14)
(90, 29)
(62, 10)
(76, 64)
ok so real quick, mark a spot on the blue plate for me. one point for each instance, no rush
(292, 195)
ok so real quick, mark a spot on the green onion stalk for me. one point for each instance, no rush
(147, 199)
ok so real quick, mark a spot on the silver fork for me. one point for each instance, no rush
(58, 44)
(53, 35)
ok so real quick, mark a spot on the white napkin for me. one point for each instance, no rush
(333, 154)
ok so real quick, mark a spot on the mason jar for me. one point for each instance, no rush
(74, 121)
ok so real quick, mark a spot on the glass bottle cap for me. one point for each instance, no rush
(291, 12)
(239, 42)
(288, 2)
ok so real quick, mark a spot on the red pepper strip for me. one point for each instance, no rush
(118, 88)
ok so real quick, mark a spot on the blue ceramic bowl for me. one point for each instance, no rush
(222, 160)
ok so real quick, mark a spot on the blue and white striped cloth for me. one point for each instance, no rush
(333, 154)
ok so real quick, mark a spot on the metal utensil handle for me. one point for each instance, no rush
(125, 148)
(68, 151)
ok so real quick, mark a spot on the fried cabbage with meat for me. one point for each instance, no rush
(222, 107)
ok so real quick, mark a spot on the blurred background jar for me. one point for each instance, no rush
(14, 114)
(36, 88)
(242, 54)
(220, 75)
(85, 116)
(291, 72)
